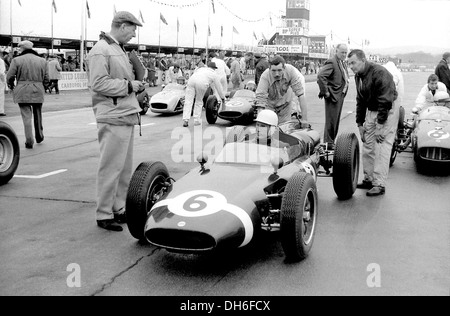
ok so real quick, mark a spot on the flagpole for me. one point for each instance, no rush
(178, 32)
(207, 31)
(83, 32)
(159, 45)
(51, 8)
(11, 25)
(193, 42)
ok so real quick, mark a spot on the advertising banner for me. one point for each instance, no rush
(73, 81)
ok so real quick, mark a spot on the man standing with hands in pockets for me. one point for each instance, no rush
(375, 105)
(113, 87)
(333, 80)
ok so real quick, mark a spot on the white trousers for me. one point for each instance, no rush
(376, 156)
(195, 92)
(115, 169)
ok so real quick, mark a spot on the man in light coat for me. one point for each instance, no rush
(222, 70)
(113, 87)
(30, 72)
(54, 73)
(427, 93)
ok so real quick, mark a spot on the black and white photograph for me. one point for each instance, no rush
(225, 155)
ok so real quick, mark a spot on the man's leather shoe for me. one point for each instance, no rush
(27, 146)
(109, 224)
(40, 140)
(2, 114)
(185, 124)
(367, 185)
(120, 218)
(376, 191)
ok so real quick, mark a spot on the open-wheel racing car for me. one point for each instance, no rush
(9, 152)
(427, 134)
(248, 187)
(171, 99)
(239, 109)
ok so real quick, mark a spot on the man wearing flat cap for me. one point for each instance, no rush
(113, 87)
(30, 72)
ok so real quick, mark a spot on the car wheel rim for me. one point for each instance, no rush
(6, 153)
(156, 192)
(309, 217)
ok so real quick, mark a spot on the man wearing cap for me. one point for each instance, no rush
(30, 72)
(197, 86)
(443, 70)
(113, 87)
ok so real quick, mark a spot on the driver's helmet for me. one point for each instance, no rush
(181, 80)
(441, 96)
(251, 85)
(267, 117)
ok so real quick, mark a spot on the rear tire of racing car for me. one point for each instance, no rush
(146, 186)
(298, 216)
(9, 153)
(211, 110)
(237, 134)
(346, 165)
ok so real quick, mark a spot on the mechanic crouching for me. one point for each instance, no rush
(274, 91)
(197, 86)
(377, 123)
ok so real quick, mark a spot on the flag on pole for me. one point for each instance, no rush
(221, 31)
(254, 35)
(195, 27)
(349, 41)
(19, 2)
(88, 10)
(54, 6)
(214, 8)
(163, 19)
(141, 16)
(235, 31)
(209, 31)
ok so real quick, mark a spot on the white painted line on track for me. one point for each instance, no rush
(46, 175)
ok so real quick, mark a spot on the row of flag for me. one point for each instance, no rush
(163, 19)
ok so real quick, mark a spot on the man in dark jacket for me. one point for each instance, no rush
(333, 80)
(443, 70)
(376, 120)
(30, 71)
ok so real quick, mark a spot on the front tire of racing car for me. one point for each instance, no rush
(9, 153)
(211, 110)
(147, 186)
(346, 165)
(298, 216)
(237, 134)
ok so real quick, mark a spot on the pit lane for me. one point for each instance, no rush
(48, 223)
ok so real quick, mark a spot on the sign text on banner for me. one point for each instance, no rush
(73, 81)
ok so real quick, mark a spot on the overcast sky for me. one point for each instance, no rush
(385, 23)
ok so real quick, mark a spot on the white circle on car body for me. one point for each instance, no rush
(310, 169)
(234, 104)
(439, 134)
(202, 203)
